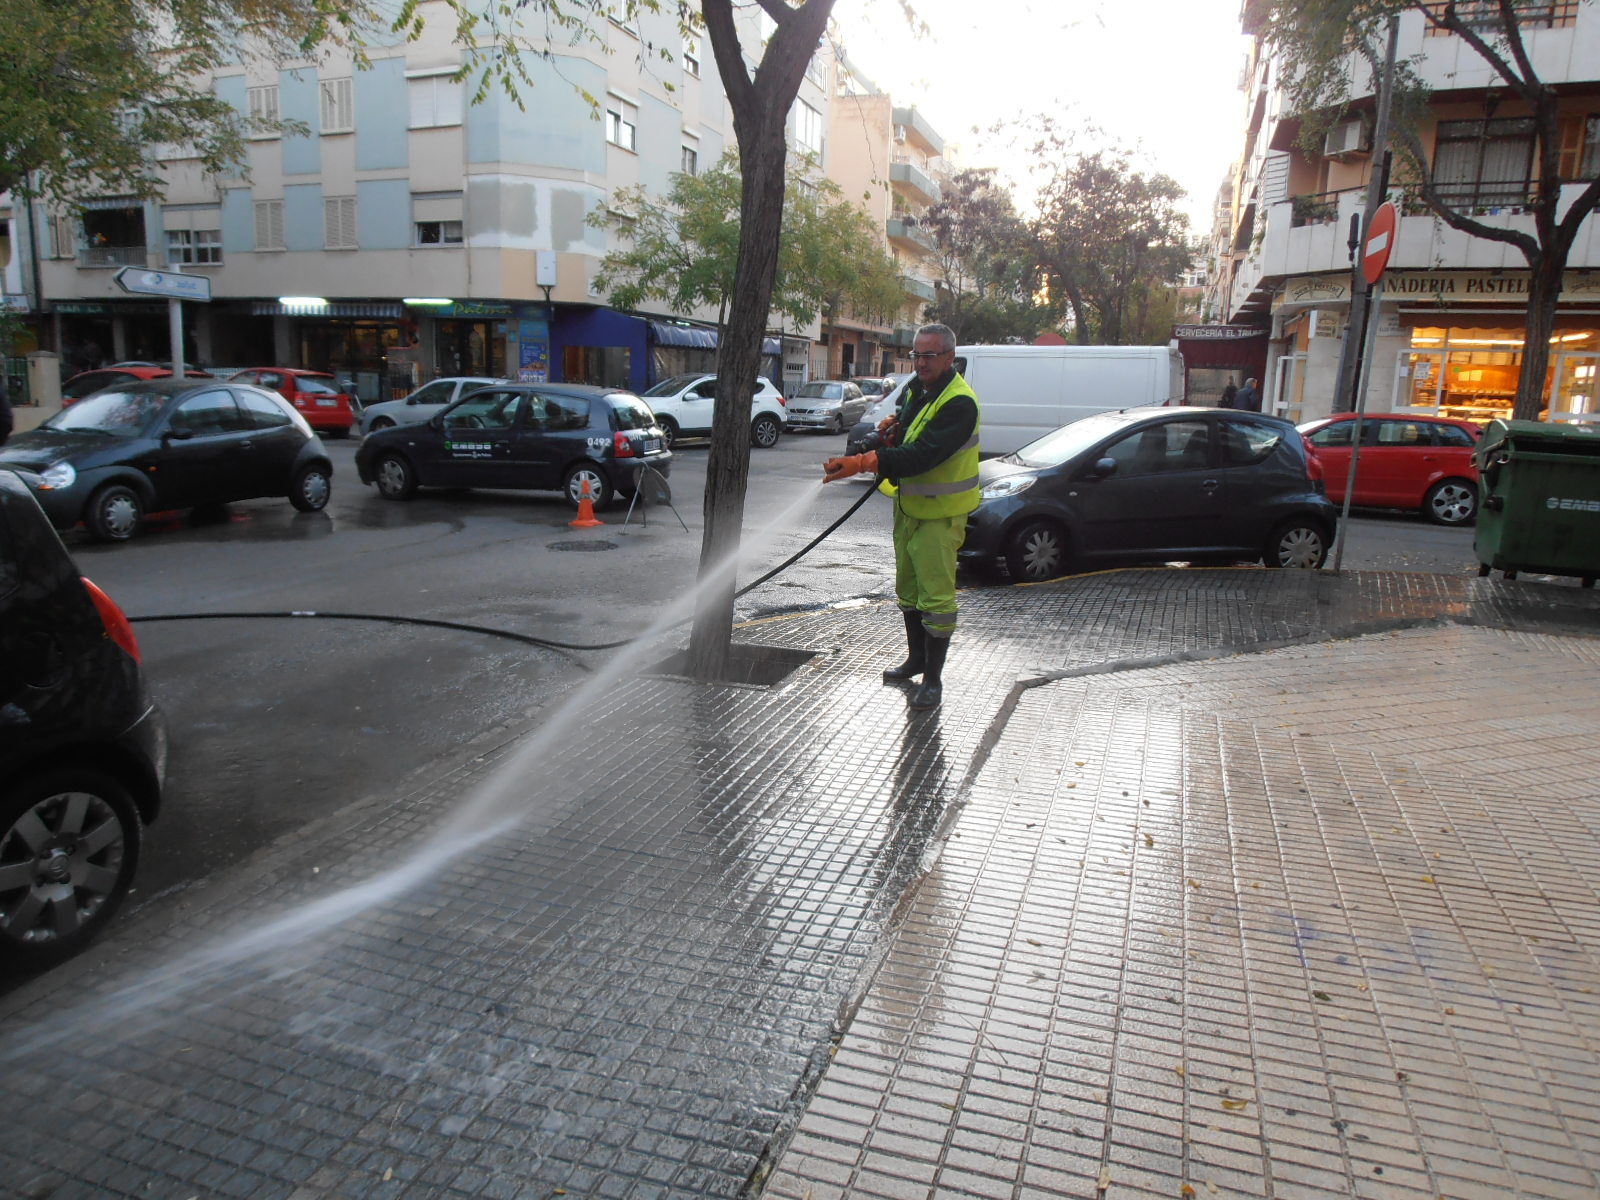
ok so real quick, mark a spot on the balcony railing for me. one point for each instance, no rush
(113, 256)
(1485, 14)
(915, 179)
(1477, 199)
(903, 230)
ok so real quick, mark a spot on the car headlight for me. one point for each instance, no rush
(1011, 485)
(57, 476)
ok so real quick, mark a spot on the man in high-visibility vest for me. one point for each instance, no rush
(929, 464)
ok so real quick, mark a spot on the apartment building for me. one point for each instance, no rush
(1450, 322)
(409, 233)
(890, 156)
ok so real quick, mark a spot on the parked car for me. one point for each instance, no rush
(326, 406)
(684, 405)
(544, 437)
(1152, 485)
(883, 406)
(82, 747)
(873, 386)
(832, 405)
(1406, 461)
(427, 401)
(87, 383)
(160, 444)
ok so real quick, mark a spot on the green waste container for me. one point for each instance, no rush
(1540, 499)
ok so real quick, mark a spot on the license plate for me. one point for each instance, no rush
(327, 404)
(651, 445)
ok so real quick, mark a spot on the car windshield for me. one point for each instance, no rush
(669, 387)
(321, 385)
(820, 391)
(121, 412)
(1057, 447)
(630, 412)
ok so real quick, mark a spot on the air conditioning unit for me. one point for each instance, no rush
(1347, 137)
(899, 133)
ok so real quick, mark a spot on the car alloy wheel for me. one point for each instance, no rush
(1300, 544)
(599, 487)
(69, 844)
(114, 513)
(765, 432)
(1035, 552)
(395, 478)
(669, 432)
(1451, 502)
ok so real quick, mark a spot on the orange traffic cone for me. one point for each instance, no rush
(585, 518)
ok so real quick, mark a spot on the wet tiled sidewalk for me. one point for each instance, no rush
(613, 956)
(1318, 922)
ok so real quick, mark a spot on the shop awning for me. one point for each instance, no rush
(334, 308)
(666, 333)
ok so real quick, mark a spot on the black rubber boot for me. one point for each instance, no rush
(931, 691)
(916, 649)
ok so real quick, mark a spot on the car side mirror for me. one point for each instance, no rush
(1103, 468)
(177, 435)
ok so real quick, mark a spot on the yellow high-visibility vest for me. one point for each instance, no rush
(951, 488)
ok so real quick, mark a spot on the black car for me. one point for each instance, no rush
(82, 748)
(1152, 485)
(547, 437)
(161, 444)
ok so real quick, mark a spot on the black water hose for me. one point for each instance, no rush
(525, 638)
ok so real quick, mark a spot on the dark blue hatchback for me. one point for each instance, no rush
(1152, 485)
(562, 437)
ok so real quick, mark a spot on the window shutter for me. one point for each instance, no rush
(269, 224)
(339, 223)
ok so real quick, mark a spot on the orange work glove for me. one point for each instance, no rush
(836, 469)
(885, 423)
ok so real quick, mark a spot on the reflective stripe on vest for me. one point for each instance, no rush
(949, 489)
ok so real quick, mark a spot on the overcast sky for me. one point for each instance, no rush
(1161, 76)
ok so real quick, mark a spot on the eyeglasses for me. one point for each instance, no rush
(928, 355)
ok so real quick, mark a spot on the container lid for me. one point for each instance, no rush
(1564, 437)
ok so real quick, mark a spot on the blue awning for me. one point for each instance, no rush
(668, 334)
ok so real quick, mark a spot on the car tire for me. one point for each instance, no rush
(765, 432)
(312, 488)
(380, 423)
(1297, 543)
(79, 830)
(395, 477)
(1036, 551)
(669, 432)
(600, 491)
(114, 513)
(1451, 502)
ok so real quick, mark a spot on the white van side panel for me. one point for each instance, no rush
(1026, 391)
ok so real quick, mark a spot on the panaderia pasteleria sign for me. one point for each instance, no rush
(1441, 287)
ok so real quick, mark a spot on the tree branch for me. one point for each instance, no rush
(1451, 23)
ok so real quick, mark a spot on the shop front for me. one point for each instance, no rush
(1471, 370)
(601, 346)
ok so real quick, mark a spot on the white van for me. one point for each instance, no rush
(1026, 391)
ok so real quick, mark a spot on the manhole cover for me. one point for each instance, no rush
(761, 666)
(581, 546)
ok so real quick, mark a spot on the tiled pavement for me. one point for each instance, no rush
(1179, 935)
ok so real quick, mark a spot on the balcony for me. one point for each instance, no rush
(113, 256)
(915, 287)
(908, 235)
(913, 182)
(910, 124)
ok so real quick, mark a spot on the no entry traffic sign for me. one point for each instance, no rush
(1379, 241)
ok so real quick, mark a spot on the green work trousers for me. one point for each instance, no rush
(925, 567)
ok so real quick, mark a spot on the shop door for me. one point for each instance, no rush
(1291, 379)
(1573, 398)
(1418, 377)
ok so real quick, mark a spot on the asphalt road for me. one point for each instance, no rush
(278, 721)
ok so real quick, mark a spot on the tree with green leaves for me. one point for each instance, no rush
(985, 257)
(1109, 237)
(1325, 46)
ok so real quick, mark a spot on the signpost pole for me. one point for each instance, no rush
(175, 327)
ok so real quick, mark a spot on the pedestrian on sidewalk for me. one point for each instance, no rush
(928, 464)
(1248, 398)
(1228, 393)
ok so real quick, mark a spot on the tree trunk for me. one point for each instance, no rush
(1544, 288)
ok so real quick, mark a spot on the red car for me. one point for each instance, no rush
(85, 383)
(1406, 461)
(316, 395)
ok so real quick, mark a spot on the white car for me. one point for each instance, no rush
(422, 403)
(684, 406)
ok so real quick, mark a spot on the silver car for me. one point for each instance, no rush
(422, 403)
(828, 404)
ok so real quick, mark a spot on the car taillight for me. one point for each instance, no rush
(621, 447)
(116, 623)
(1313, 463)
(782, 403)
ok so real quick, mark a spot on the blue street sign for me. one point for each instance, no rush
(170, 284)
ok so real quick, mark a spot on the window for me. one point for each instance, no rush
(690, 163)
(63, 235)
(1337, 434)
(194, 247)
(1245, 442)
(269, 224)
(622, 123)
(1484, 164)
(1154, 450)
(807, 127)
(338, 113)
(435, 100)
(263, 110)
(339, 223)
(209, 414)
(691, 56)
(1580, 148)
(1453, 435)
(264, 411)
(438, 233)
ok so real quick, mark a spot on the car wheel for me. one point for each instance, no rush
(1297, 543)
(395, 478)
(69, 844)
(765, 432)
(1451, 502)
(380, 423)
(312, 486)
(599, 487)
(669, 431)
(1036, 551)
(114, 513)
(838, 425)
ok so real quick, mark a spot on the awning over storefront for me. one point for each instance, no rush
(333, 308)
(670, 333)
(1230, 347)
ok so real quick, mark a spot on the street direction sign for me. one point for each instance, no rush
(171, 284)
(1375, 247)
